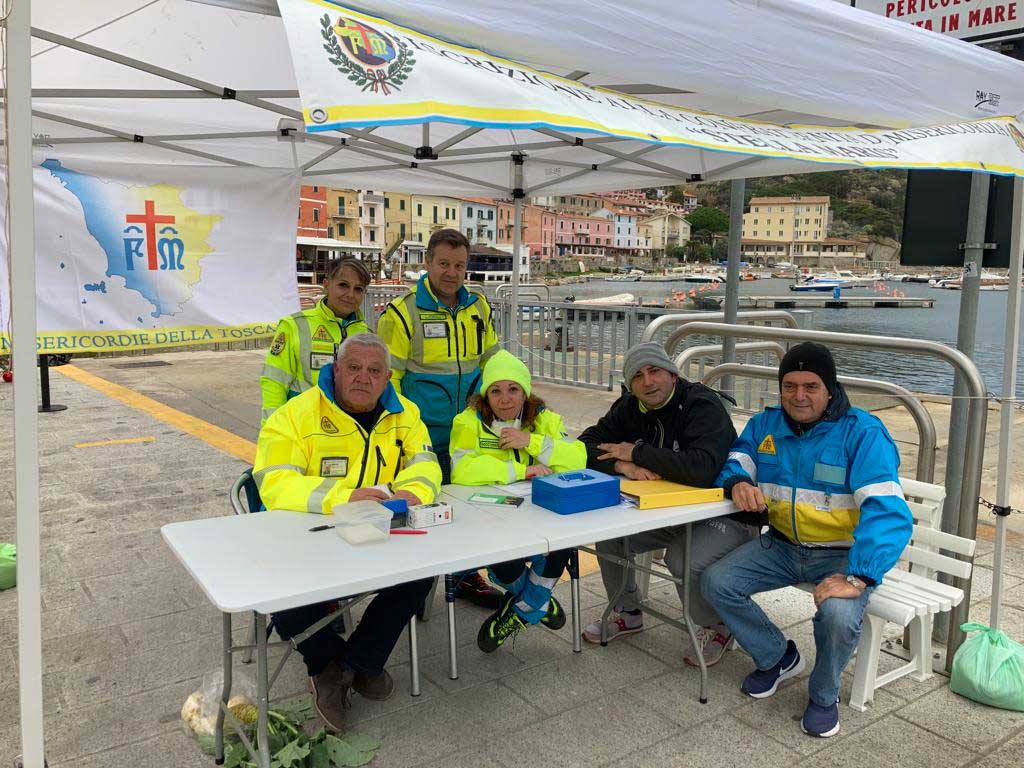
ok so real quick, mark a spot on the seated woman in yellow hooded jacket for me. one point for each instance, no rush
(504, 435)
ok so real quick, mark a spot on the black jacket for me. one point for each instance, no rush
(686, 441)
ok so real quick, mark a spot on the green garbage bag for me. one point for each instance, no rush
(8, 566)
(989, 668)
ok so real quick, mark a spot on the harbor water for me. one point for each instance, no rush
(921, 374)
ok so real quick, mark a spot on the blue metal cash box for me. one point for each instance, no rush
(575, 491)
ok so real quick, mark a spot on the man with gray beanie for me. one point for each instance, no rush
(665, 427)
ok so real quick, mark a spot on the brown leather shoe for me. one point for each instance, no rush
(330, 694)
(374, 687)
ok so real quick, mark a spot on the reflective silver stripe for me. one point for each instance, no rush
(421, 480)
(844, 543)
(301, 386)
(260, 474)
(266, 413)
(824, 499)
(526, 608)
(776, 492)
(746, 463)
(542, 581)
(458, 454)
(888, 488)
(547, 447)
(305, 346)
(315, 502)
(427, 456)
(444, 367)
(276, 374)
(487, 353)
(512, 472)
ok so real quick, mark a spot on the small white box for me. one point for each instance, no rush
(362, 522)
(427, 515)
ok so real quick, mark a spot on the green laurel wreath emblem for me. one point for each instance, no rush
(366, 78)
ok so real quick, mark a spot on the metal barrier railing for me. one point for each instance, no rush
(504, 291)
(926, 435)
(972, 438)
(745, 352)
(584, 344)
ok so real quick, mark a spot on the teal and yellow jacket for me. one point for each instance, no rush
(835, 485)
(478, 459)
(303, 343)
(437, 352)
(311, 455)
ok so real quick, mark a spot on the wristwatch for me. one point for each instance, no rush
(856, 582)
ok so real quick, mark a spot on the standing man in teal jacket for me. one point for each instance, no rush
(828, 476)
(440, 336)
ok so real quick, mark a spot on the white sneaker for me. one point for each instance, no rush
(713, 643)
(619, 625)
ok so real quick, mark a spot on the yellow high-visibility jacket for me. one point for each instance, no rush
(311, 455)
(303, 343)
(478, 459)
(437, 352)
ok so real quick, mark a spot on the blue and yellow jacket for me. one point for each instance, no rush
(311, 455)
(437, 352)
(835, 485)
(303, 343)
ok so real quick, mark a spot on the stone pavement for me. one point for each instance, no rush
(128, 635)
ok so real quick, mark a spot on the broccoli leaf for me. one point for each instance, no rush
(363, 742)
(207, 743)
(235, 755)
(298, 710)
(292, 754)
(319, 756)
(344, 754)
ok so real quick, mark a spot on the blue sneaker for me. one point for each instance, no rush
(820, 722)
(762, 683)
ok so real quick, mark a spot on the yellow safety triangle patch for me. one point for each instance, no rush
(328, 426)
(322, 334)
(767, 445)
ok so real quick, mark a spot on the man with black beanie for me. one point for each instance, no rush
(828, 476)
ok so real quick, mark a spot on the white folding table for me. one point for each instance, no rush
(271, 561)
(583, 528)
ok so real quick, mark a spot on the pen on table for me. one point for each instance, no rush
(407, 532)
(316, 528)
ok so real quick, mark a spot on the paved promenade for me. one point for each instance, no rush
(128, 635)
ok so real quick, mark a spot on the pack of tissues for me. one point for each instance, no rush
(569, 492)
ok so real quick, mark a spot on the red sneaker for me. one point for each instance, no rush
(474, 588)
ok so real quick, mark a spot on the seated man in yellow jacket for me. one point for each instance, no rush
(328, 446)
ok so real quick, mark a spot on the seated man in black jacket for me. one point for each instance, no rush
(666, 428)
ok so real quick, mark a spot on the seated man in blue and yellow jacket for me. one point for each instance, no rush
(827, 474)
(331, 445)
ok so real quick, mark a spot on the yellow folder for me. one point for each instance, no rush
(651, 494)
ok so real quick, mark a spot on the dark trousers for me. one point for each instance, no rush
(367, 649)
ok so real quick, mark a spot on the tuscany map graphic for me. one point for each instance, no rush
(152, 241)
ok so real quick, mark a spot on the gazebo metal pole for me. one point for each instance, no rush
(973, 248)
(517, 242)
(737, 187)
(1011, 346)
(21, 257)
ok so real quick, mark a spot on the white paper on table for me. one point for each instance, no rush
(522, 488)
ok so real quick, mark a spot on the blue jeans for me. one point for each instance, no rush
(751, 568)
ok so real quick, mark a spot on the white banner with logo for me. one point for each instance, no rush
(130, 257)
(357, 70)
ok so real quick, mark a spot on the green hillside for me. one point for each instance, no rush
(864, 203)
